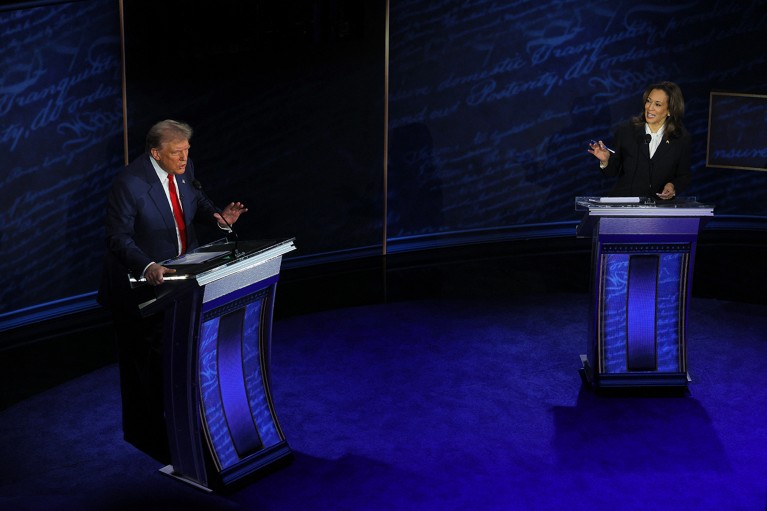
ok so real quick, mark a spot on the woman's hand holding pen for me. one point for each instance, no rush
(600, 150)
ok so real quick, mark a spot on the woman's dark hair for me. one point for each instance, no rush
(675, 120)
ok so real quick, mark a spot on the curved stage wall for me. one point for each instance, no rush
(61, 137)
(488, 111)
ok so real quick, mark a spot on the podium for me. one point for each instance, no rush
(220, 416)
(641, 279)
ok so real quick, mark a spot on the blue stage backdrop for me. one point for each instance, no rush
(491, 104)
(490, 107)
(61, 143)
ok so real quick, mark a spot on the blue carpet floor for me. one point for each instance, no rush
(439, 404)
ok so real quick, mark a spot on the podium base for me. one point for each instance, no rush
(631, 380)
(168, 471)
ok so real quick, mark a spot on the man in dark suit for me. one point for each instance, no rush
(151, 212)
(652, 150)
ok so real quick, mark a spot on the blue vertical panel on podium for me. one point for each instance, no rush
(222, 424)
(642, 262)
(237, 412)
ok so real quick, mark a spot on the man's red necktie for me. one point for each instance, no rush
(177, 214)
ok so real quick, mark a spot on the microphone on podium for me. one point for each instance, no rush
(198, 186)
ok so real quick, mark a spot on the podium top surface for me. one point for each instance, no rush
(221, 259)
(643, 206)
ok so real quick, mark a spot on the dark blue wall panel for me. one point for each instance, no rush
(61, 143)
(491, 103)
(287, 102)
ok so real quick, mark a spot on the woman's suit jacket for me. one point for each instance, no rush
(639, 175)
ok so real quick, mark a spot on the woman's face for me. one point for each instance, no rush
(656, 109)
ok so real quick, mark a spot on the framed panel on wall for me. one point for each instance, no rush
(736, 135)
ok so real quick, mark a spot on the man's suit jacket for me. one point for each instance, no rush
(639, 175)
(140, 228)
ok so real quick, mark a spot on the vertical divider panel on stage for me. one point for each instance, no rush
(642, 260)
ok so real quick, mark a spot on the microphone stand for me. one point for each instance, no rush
(198, 186)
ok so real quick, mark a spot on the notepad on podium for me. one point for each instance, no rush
(616, 200)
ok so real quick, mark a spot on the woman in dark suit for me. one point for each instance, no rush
(652, 150)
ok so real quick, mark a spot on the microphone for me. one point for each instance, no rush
(198, 186)
(647, 138)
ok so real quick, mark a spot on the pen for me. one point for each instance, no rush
(602, 145)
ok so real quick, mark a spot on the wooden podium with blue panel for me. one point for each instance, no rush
(642, 264)
(220, 416)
